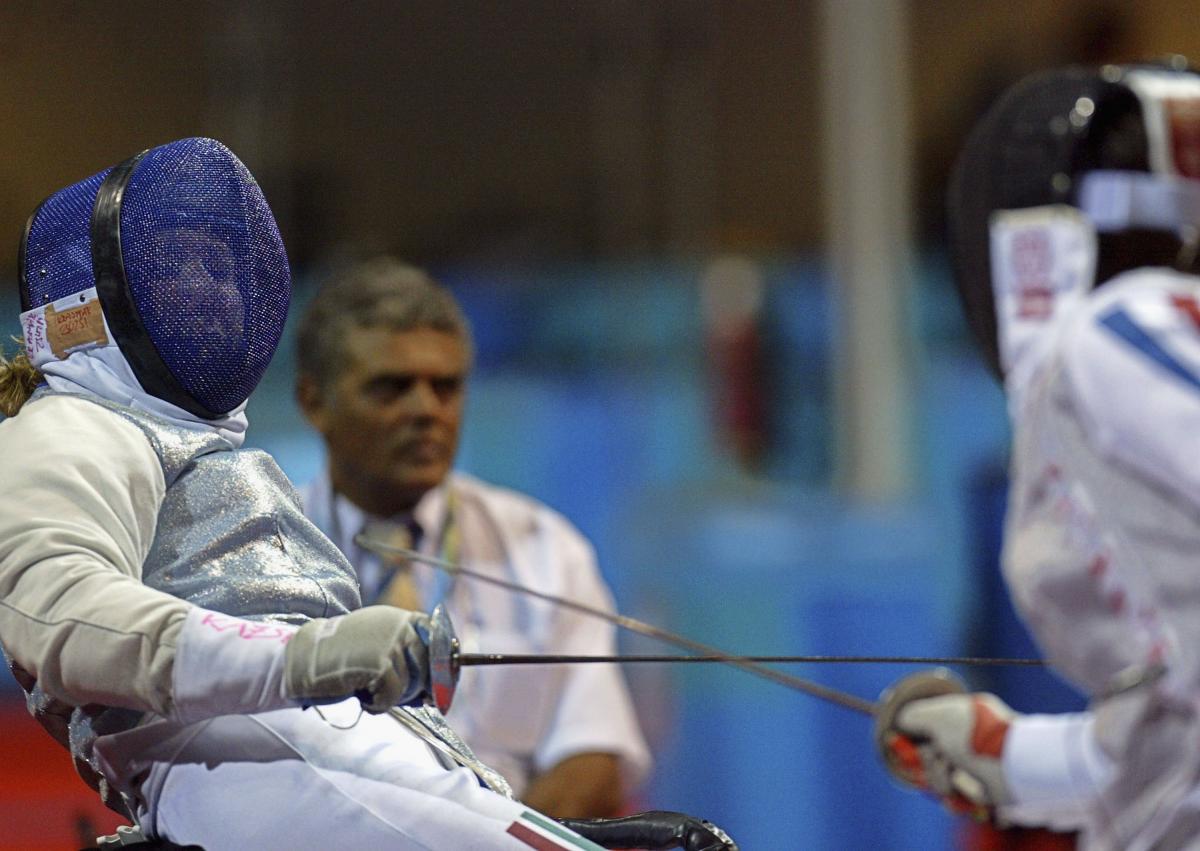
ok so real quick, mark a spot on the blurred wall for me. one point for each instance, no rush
(443, 129)
(536, 128)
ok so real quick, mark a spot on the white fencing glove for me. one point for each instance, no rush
(379, 654)
(228, 665)
(935, 736)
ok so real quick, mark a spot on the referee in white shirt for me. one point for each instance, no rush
(384, 354)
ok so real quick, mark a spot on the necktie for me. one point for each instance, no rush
(401, 590)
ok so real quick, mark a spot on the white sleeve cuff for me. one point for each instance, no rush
(226, 665)
(1053, 762)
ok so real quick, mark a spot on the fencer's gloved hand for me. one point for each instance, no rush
(379, 654)
(656, 830)
(935, 736)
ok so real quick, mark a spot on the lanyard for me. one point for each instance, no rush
(449, 547)
(449, 544)
(444, 586)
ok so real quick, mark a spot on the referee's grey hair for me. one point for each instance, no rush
(378, 293)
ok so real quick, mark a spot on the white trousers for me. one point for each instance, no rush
(322, 778)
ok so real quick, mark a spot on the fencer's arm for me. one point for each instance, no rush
(1055, 769)
(82, 497)
(82, 490)
(975, 754)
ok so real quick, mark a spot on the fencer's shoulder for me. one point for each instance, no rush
(65, 420)
(62, 435)
(1131, 364)
(1139, 287)
(1139, 331)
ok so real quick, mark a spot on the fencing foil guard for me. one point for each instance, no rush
(174, 257)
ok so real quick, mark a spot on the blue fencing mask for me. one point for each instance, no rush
(174, 257)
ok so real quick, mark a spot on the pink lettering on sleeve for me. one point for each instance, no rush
(248, 630)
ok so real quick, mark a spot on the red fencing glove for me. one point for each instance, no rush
(934, 736)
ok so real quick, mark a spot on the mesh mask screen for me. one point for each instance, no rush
(206, 268)
(58, 255)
